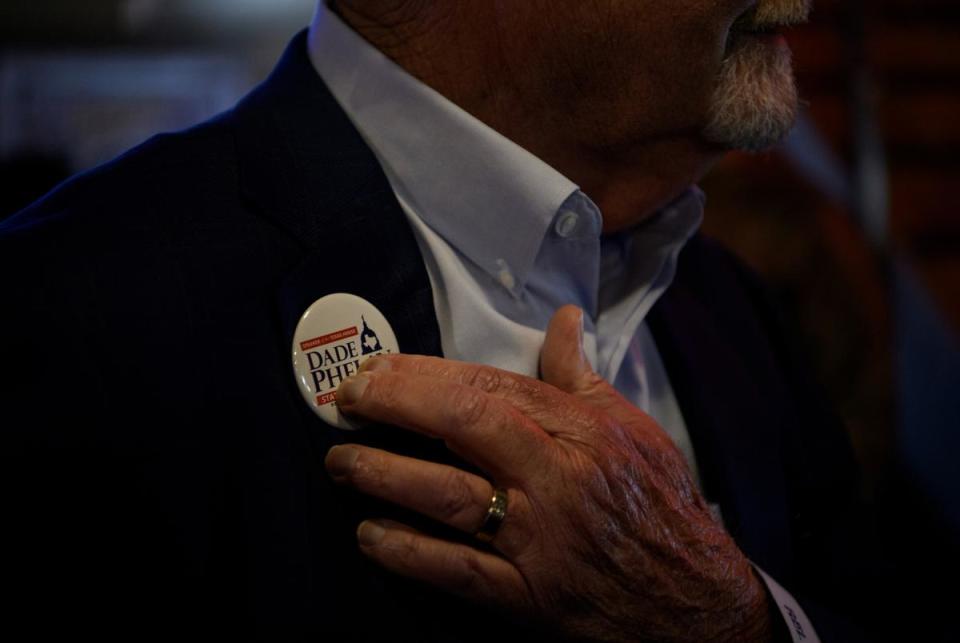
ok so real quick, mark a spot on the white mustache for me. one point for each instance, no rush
(768, 14)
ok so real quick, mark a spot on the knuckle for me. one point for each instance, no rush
(593, 384)
(592, 379)
(469, 406)
(385, 389)
(587, 470)
(604, 431)
(370, 471)
(420, 364)
(485, 378)
(406, 550)
(514, 536)
(613, 432)
(587, 475)
(457, 496)
(472, 578)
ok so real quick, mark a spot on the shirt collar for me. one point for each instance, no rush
(485, 195)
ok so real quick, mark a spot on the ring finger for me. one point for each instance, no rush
(443, 493)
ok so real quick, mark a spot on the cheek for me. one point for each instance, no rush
(649, 61)
(682, 70)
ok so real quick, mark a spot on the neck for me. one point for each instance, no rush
(628, 177)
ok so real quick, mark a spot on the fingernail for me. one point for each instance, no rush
(370, 533)
(340, 460)
(352, 389)
(376, 364)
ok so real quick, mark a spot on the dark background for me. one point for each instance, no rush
(855, 224)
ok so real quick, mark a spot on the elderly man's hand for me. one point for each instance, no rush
(605, 537)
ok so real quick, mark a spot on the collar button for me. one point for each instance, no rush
(567, 224)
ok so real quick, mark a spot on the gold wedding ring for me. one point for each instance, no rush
(495, 515)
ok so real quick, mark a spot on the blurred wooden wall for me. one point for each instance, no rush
(899, 61)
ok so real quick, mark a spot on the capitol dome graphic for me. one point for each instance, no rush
(369, 342)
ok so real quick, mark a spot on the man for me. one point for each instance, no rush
(449, 164)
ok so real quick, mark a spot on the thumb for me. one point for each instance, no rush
(563, 362)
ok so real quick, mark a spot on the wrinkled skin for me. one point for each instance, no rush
(606, 536)
(614, 94)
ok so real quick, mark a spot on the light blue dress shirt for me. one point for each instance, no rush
(507, 239)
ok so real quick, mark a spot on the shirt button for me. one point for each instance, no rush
(567, 223)
(505, 276)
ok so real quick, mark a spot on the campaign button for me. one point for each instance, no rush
(333, 338)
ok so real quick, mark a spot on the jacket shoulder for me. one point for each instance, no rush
(163, 171)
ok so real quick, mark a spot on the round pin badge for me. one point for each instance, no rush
(334, 337)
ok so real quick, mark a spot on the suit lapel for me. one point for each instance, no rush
(304, 166)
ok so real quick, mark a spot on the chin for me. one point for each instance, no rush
(755, 102)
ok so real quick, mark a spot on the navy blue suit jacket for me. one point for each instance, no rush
(164, 472)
